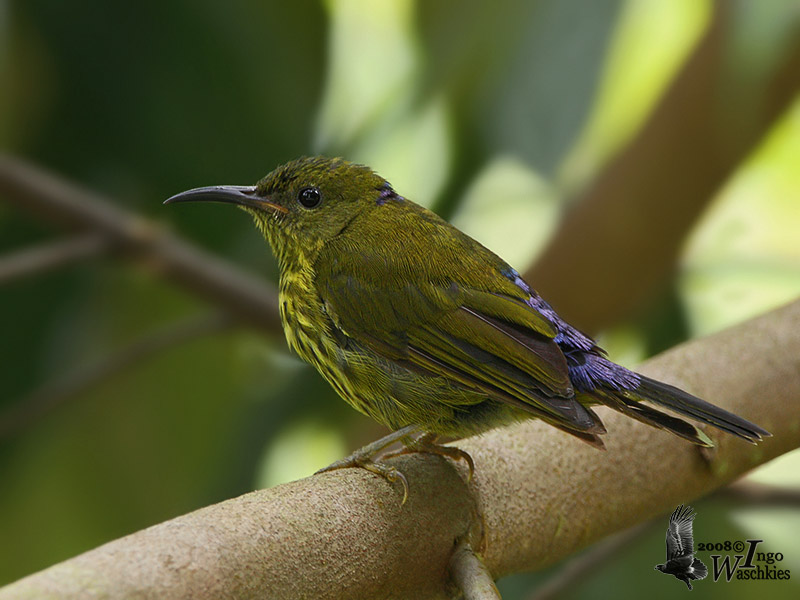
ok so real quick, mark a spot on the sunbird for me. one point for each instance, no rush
(422, 328)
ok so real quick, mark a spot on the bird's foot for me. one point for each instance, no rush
(427, 444)
(389, 473)
(364, 458)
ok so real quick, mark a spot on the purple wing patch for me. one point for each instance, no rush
(588, 367)
(589, 371)
(566, 333)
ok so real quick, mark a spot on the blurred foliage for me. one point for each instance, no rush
(744, 255)
(650, 42)
(496, 115)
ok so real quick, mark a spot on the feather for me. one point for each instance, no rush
(680, 542)
(684, 403)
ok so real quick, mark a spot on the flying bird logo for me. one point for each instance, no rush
(681, 562)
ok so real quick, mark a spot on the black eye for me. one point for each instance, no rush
(309, 197)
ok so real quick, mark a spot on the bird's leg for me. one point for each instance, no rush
(365, 458)
(427, 443)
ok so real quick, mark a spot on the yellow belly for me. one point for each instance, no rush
(372, 384)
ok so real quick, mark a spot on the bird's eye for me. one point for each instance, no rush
(309, 197)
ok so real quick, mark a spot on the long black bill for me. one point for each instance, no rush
(242, 195)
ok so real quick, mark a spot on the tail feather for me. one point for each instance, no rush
(632, 407)
(684, 403)
(699, 570)
(592, 439)
(629, 402)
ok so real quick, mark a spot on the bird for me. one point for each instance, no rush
(422, 328)
(680, 548)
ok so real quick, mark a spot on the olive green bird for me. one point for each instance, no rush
(420, 327)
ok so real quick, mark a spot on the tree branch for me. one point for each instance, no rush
(55, 393)
(542, 495)
(580, 568)
(470, 575)
(760, 494)
(576, 570)
(32, 261)
(245, 297)
(643, 203)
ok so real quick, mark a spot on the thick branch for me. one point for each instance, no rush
(249, 299)
(644, 202)
(543, 496)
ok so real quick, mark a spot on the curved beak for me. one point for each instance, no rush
(230, 194)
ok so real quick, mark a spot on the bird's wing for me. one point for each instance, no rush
(680, 541)
(465, 321)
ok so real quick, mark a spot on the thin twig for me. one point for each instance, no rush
(470, 575)
(32, 261)
(576, 570)
(54, 394)
(246, 297)
(760, 494)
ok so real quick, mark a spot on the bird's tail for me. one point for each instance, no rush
(699, 570)
(649, 390)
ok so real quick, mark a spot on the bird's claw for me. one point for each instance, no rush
(459, 454)
(426, 445)
(365, 457)
(388, 472)
(344, 463)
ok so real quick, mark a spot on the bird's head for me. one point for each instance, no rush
(304, 203)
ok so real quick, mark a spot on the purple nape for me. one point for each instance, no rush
(386, 193)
